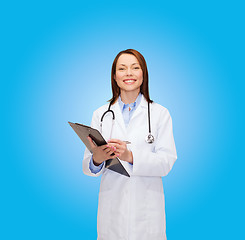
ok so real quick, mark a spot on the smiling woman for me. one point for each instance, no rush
(131, 207)
(129, 77)
(129, 65)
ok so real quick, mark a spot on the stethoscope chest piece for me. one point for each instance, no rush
(149, 138)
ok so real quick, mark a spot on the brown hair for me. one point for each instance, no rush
(144, 89)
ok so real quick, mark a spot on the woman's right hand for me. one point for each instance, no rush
(100, 153)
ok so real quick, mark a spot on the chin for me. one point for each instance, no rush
(130, 89)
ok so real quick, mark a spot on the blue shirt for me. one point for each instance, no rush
(127, 115)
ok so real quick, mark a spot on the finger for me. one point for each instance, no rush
(103, 147)
(119, 147)
(109, 154)
(112, 146)
(115, 141)
(117, 154)
(107, 150)
(92, 145)
(116, 145)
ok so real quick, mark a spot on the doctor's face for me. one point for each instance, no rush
(129, 75)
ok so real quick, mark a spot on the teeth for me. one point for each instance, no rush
(129, 81)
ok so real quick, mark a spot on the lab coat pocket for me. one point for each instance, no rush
(103, 216)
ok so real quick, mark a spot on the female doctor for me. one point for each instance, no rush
(131, 208)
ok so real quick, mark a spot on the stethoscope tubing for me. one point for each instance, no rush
(108, 110)
(149, 138)
(149, 118)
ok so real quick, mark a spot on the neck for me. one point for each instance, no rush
(129, 97)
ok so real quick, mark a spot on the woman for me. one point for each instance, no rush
(132, 208)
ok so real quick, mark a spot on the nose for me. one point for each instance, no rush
(129, 72)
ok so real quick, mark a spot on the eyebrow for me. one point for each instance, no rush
(125, 65)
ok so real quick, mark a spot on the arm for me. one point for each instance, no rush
(93, 164)
(87, 155)
(161, 161)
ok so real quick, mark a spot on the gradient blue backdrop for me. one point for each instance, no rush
(56, 58)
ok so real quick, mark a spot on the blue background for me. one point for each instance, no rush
(56, 59)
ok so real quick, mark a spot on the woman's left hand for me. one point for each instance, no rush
(120, 149)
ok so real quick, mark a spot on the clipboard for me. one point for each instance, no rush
(84, 131)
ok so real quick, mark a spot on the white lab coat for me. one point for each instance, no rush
(133, 208)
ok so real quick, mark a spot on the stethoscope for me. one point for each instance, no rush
(149, 138)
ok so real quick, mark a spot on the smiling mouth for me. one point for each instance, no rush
(129, 81)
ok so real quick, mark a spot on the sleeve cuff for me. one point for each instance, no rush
(94, 169)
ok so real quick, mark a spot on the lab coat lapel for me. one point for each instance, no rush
(118, 116)
(143, 104)
(121, 132)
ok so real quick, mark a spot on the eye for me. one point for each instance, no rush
(121, 69)
(136, 68)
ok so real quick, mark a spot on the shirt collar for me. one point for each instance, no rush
(122, 105)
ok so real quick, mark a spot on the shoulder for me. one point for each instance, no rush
(97, 114)
(99, 111)
(161, 115)
(159, 108)
(156, 109)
